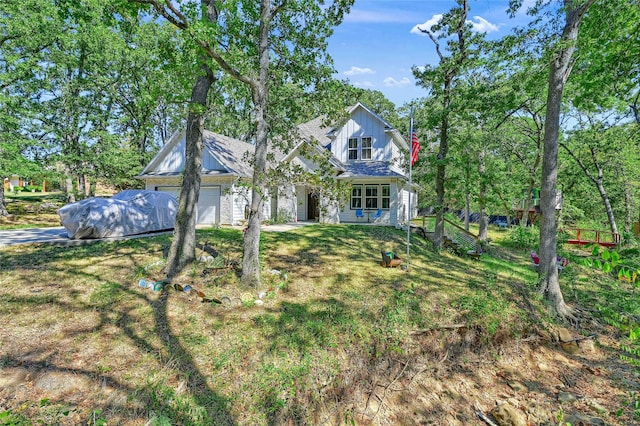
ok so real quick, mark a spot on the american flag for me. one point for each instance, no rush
(415, 147)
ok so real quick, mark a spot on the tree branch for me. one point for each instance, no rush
(583, 166)
(177, 19)
(174, 16)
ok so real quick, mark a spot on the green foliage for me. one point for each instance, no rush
(609, 261)
(9, 418)
(97, 418)
(404, 308)
(631, 402)
(617, 304)
(523, 237)
(484, 306)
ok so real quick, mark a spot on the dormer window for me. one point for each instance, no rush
(366, 148)
(353, 148)
(360, 148)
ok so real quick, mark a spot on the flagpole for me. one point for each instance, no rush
(410, 170)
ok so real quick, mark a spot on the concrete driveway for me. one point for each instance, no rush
(55, 236)
(58, 235)
(33, 235)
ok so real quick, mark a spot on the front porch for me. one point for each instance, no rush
(374, 201)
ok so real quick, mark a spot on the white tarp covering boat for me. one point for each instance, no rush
(129, 212)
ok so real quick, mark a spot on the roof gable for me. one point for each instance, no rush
(228, 155)
(323, 137)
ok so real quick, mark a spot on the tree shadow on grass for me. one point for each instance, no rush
(102, 309)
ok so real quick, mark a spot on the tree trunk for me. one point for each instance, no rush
(467, 198)
(467, 209)
(441, 168)
(183, 245)
(607, 206)
(450, 73)
(82, 185)
(527, 203)
(482, 196)
(598, 181)
(3, 208)
(251, 246)
(627, 208)
(68, 185)
(559, 70)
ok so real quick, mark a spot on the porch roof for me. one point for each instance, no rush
(363, 169)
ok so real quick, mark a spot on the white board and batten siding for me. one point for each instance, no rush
(399, 161)
(174, 160)
(240, 197)
(405, 202)
(362, 124)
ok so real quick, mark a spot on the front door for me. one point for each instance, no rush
(313, 207)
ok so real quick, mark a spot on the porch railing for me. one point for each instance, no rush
(580, 236)
(463, 238)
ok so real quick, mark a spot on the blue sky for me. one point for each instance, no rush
(377, 44)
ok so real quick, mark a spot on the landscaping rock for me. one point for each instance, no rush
(587, 345)
(596, 406)
(506, 415)
(567, 397)
(564, 335)
(570, 348)
(544, 367)
(582, 419)
(538, 414)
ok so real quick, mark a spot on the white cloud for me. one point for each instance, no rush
(392, 82)
(358, 71)
(427, 25)
(478, 25)
(482, 25)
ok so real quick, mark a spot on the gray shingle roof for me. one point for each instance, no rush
(356, 169)
(232, 153)
(315, 129)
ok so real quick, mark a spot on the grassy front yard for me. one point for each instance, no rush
(334, 338)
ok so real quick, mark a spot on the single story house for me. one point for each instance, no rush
(366, 153)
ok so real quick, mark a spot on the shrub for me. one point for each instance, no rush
(523, 237)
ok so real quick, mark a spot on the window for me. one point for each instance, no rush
(356, 197)
(371, 197)
(360, 148)
(366, 148)
(386, 196)
(353, 148)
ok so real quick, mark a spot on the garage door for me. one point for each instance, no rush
(208, 203)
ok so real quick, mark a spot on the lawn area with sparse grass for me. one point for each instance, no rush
(330, 337)
(31, 210)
